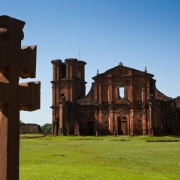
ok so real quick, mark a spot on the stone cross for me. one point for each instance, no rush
(15, 62)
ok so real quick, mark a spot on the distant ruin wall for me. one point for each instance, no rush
(30, 128)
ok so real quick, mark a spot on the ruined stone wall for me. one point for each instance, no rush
(30, 129)
(177, 101)
(161, 96)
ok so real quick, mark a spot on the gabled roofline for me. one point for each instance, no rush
(101, 74)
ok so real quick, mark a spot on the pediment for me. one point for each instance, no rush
(122, 71)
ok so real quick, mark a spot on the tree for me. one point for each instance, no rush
(47, 128)
(21, 122)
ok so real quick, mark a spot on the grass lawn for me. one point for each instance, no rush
(99, 158)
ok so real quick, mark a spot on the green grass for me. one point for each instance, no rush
(99, 158)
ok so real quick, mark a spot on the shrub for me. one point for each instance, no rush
(46, 128)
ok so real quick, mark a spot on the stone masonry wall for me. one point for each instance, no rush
(30, 128)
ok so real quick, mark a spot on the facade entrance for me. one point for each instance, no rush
(90, 127)
(122, 126)
(76, 129)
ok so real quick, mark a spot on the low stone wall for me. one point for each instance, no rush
(29, 128)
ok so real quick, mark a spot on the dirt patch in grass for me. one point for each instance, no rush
(120, 140)
(87, 138)
(31, 137)
(62, 155)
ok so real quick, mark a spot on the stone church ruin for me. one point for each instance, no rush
(122, 101)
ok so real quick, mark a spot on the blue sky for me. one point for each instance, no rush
(137, 32)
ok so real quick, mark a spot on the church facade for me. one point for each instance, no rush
(122, 101)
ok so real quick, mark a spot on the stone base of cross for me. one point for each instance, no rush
(15, 62)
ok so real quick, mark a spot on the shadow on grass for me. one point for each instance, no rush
(174, 136)
(163, 140)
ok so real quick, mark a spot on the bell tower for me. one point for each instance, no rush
(68, 85)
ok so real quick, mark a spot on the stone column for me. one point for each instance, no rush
(82, 69)
(150, 120)
(143, 94)
(96, 116)
(131, 91)
(60, 131)
(101, 120)
(147, 89)
(53, 122)
(57, 93)
(117, 92)
(100, 95)
(144, 120)
(67, 70)
(70, 71)
(110, 94)
(70, 92)
(125, 91)
(95, 91)
(57, 69)
(131, 121)
(128, 125)
(54, 71)
(111, 124)
(110, 90)
(53, 94)
(116, 124)
(143, 90)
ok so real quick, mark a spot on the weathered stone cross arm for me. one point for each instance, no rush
(30, 90)
(28, 94)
